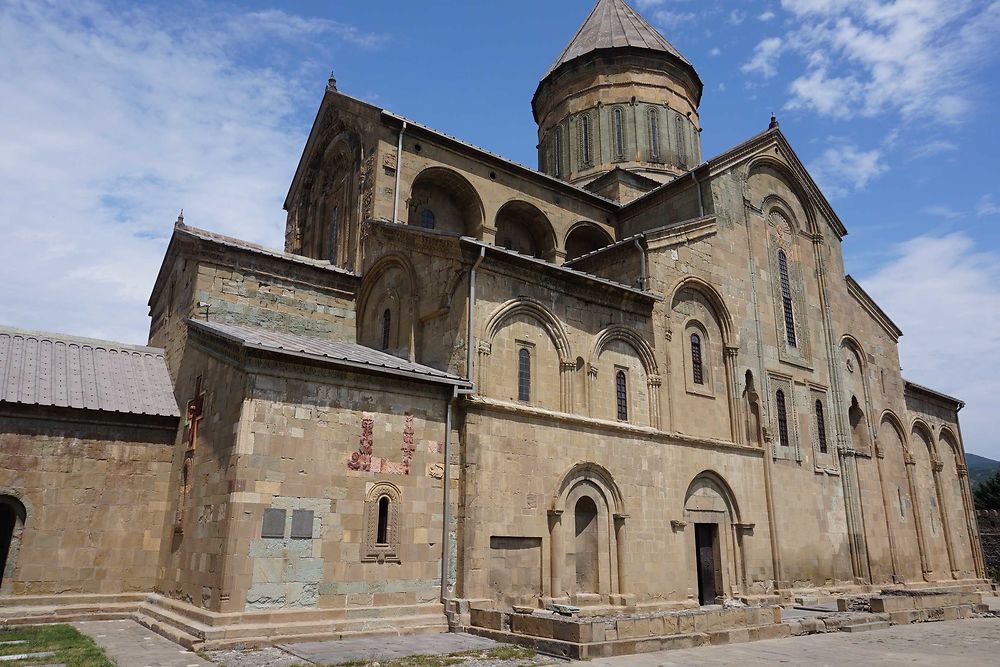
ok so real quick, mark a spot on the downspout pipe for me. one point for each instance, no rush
(697, 186)
(446, 526)
(399, 164)
(446, 496)
(642, 263)
(470, 326)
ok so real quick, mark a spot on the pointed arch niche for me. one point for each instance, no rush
(587, 539)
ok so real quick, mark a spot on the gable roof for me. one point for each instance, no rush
(323, 350)
(612, 24)
(40, 368)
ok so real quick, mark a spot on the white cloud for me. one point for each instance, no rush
(669, 19)
(987, 206)
(843, 168)
(945, 295)
(766, 16)
(113, 119)
(736, 17)
(913, 57)
(647, 4)
(932, 148)
(941, 211)
(764, 58)
(715, 51)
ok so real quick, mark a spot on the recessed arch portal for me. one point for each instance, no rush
(522, 227)
(585, 237)
(444, 200)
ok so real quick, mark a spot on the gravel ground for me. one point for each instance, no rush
(275, 657)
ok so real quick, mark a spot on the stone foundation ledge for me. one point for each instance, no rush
(197, 628)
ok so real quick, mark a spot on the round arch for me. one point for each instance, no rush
(597, 475)
(585, 237)
(765, 162)
(949, 438)
(720, 485)
(715, 300)
(453, 202)
(536, 310)
(889, 417)
(402, 297)
(632, 338)
(523, 227)
(920, 426)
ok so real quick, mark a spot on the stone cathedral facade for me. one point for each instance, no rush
(632, 379)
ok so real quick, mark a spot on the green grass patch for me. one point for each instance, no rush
(70, 647)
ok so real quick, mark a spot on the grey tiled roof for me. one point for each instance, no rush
(38, 368)
(321, 349)
(613, 24)
(259, 249)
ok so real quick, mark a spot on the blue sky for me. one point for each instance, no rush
(116, 114)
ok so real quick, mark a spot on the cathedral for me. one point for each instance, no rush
(630, 380)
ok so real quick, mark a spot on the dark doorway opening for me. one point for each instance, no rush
(8, 522)
(706, 545)
(586, 546)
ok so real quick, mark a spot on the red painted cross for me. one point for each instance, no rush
(194, 413)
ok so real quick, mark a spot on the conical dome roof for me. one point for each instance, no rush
(613, 24)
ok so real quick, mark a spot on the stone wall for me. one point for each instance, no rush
(95, 495)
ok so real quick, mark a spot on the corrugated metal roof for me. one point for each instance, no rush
(613, 24)
(321, 349)
(39, 368)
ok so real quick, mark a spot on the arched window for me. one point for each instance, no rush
(382, 528)
(557, 150)
(386, 328)
(621, 395)
(779, 399)
(524, 374)
(619, 133)
(427, 220)
(682, 156)
(786, 298)
(820, 427)
(696, 369)
(586, 156)
(334, 231)
(654, 135)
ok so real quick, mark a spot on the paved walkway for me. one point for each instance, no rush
(129, 644)
(388, 648)
(947, 644)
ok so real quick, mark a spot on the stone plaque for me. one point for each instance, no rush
(302, 525)
(274, 523)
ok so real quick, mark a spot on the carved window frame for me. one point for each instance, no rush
(653, 126)
(785, 385)
(373, 551)
(783, 237)
(707, 386)
(618, 138)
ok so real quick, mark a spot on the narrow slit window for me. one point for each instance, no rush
(382, 528)
(621, 395)
(619, 134)
(524, 374)
(786, 298)
(654, 135)
(820, 427)
(782, 418)
(427, 220)
(585, 141)
(334, 232)
(386, 328)
(697, 372)
(557, 154)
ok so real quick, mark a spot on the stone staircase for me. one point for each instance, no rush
(196, 628)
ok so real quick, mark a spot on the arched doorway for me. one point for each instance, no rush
(714, 543)
(12, 517)
(586, 545)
